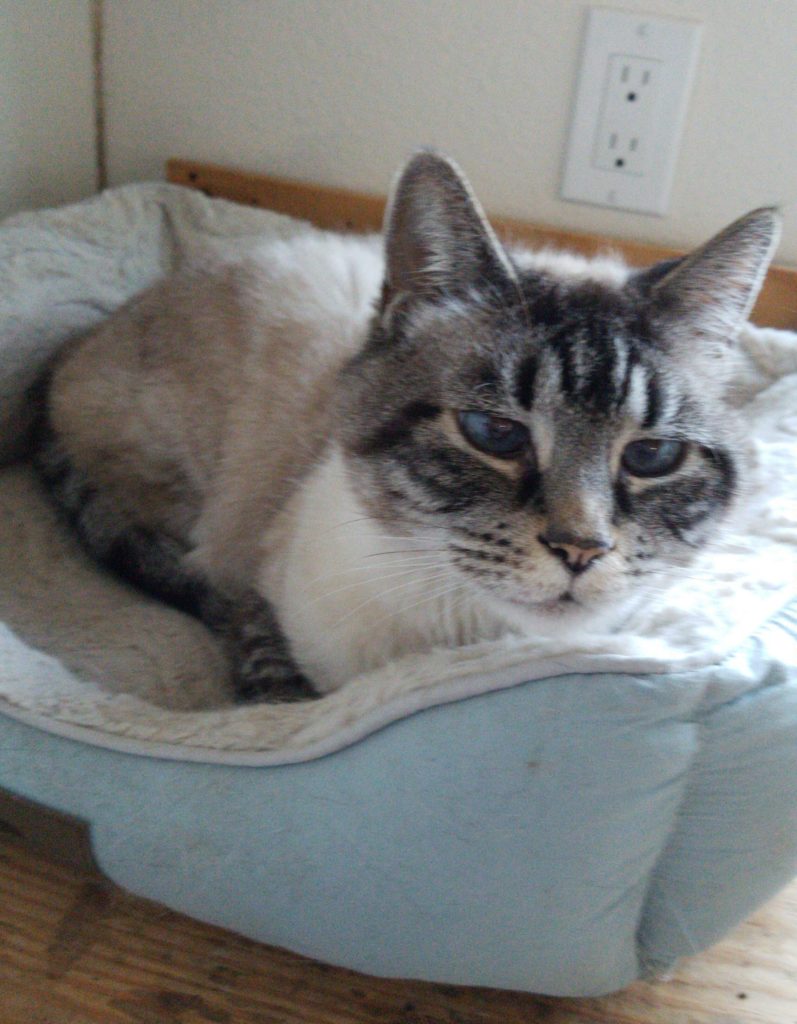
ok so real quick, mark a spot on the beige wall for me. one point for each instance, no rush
(339, 91)
(46, 107)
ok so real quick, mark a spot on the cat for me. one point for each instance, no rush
(336, 450)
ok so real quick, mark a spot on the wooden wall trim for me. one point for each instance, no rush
(343, 209)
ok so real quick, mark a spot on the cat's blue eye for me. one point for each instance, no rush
(653, 456)
(494, 435)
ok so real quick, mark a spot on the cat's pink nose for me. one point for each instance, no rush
(578, 553)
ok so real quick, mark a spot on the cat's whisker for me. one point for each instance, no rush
(431, 559)
(438, 593)
(675, 575)
(414, 570)
(349, 522)
(416, 561)
(383, 593)
(399, 539)
(403, 551)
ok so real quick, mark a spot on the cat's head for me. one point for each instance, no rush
(557, 435)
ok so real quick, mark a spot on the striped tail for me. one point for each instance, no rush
(152, 561)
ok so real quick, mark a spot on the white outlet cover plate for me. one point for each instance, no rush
(674, 45)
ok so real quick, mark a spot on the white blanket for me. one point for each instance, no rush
(87, 656)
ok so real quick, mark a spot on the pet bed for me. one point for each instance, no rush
(556, 819)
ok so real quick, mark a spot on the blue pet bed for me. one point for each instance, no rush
(519, 815)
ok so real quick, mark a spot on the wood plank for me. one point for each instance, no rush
(343, 209)
(75, 951)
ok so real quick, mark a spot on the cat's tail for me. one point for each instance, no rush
(152, 561)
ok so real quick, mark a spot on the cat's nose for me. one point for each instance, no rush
(578, 553)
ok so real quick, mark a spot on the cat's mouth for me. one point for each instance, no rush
(564, 602)
(561, 604)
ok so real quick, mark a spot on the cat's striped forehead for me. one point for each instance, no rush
(610, 379)
(586, 345)
(598, 367)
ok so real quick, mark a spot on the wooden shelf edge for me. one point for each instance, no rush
(348, 210)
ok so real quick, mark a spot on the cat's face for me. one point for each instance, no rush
(558, 441)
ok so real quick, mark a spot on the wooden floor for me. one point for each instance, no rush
(73, 951)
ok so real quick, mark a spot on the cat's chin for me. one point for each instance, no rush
(566, 611)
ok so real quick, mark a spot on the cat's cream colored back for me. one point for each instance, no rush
(195, 373)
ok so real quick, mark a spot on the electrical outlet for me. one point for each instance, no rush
(635, 78)
(627, 119)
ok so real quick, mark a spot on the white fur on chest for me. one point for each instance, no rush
(351, 596)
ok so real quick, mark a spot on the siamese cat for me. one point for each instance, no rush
(337, 450)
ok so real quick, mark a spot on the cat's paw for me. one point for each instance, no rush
(270, 683)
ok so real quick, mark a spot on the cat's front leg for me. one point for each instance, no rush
(262, 667)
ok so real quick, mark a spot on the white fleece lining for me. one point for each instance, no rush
(126, 674)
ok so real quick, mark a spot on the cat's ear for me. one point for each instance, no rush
(437, 238)
(713, 289)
